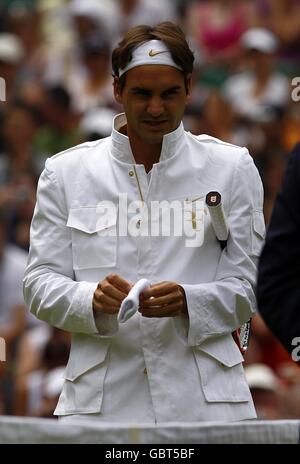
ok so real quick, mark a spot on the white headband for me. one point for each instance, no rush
(151, 52)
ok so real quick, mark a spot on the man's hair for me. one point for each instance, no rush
(169, 33)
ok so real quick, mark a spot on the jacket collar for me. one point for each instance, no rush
(121, 148)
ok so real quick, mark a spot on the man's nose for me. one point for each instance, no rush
(155, 107)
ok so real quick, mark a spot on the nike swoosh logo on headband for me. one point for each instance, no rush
(154, 53)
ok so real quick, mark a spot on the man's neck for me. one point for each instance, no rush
(143, 153)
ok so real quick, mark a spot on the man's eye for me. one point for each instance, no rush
(141, 93)
(171, 93)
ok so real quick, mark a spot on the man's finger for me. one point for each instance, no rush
(109, 309)
(106, 300)
(171, 310)
(173, 297)
(117, 281)
(160, 289)
(108, 289)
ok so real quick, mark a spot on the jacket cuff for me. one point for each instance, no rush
(83, 307)
(106, 324)
(98, 323)
(198, 310)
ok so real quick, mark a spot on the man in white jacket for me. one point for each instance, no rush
(131, 206)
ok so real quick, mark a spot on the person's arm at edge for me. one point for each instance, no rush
(278, 283)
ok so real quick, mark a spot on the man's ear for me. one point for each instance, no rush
(117, 91)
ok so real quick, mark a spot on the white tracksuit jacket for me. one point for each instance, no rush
(148, 369)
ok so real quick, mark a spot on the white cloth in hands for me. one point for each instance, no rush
(130, 304)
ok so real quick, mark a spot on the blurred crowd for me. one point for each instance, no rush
(56, 91)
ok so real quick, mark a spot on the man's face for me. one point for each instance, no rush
(154, 99)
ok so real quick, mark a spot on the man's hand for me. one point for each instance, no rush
(165, 299)
(110, 293)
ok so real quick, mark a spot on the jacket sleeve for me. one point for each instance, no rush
(223, 305)
(278, 285)
(48, 286)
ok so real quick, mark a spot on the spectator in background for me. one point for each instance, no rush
(217, 26)
(283, 18)
(275, 385)
(60, 128)
(129, 13)
(267, 391)
(19, 170)
(11, 58)
(259, 85)
(90, 17)
(79, 20)
(51, 389)
(12, 308)
(214, 108)
(19, 198)
(18, 154)
(24, 20)
(42, 356)
(96, 124)
(268, 150)
(92, 87)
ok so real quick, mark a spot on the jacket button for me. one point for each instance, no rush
(131, 173)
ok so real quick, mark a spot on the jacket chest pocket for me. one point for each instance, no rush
(94, 236)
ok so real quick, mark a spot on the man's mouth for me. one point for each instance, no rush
(156, 123)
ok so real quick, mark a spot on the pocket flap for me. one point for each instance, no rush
(221, 372)
(86, 352)
(223, 349)
(93, 219)
(258, 223)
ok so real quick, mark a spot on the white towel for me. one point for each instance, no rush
(130, 304)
